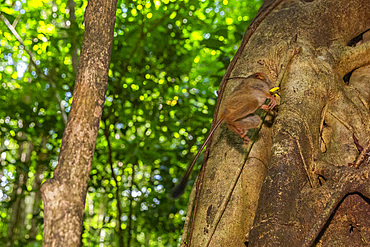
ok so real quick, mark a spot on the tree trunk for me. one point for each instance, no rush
(305, 180)
(64, 195)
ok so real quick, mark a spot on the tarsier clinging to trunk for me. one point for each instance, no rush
(238, 114)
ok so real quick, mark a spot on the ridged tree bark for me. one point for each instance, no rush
(306, 180)
(64, 195)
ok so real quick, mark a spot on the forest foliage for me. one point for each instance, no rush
(168, 58)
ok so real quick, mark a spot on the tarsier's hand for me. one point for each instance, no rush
(271, 105)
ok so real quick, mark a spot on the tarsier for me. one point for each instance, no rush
(238, 114)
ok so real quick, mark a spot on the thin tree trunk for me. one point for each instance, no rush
(130, 212)
(74, 28)
(40, 167)
(16, 229)
(64, 195)
(118, 194)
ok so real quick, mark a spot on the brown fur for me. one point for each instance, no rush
(239, 115)
(250, 95)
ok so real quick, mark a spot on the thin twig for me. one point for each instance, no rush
(304, 162)
(365, 152)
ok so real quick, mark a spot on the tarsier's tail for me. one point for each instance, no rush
(179, 188)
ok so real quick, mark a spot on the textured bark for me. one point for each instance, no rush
(64, 195)
(296, 186)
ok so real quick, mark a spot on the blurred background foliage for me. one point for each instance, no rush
(167, 61)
